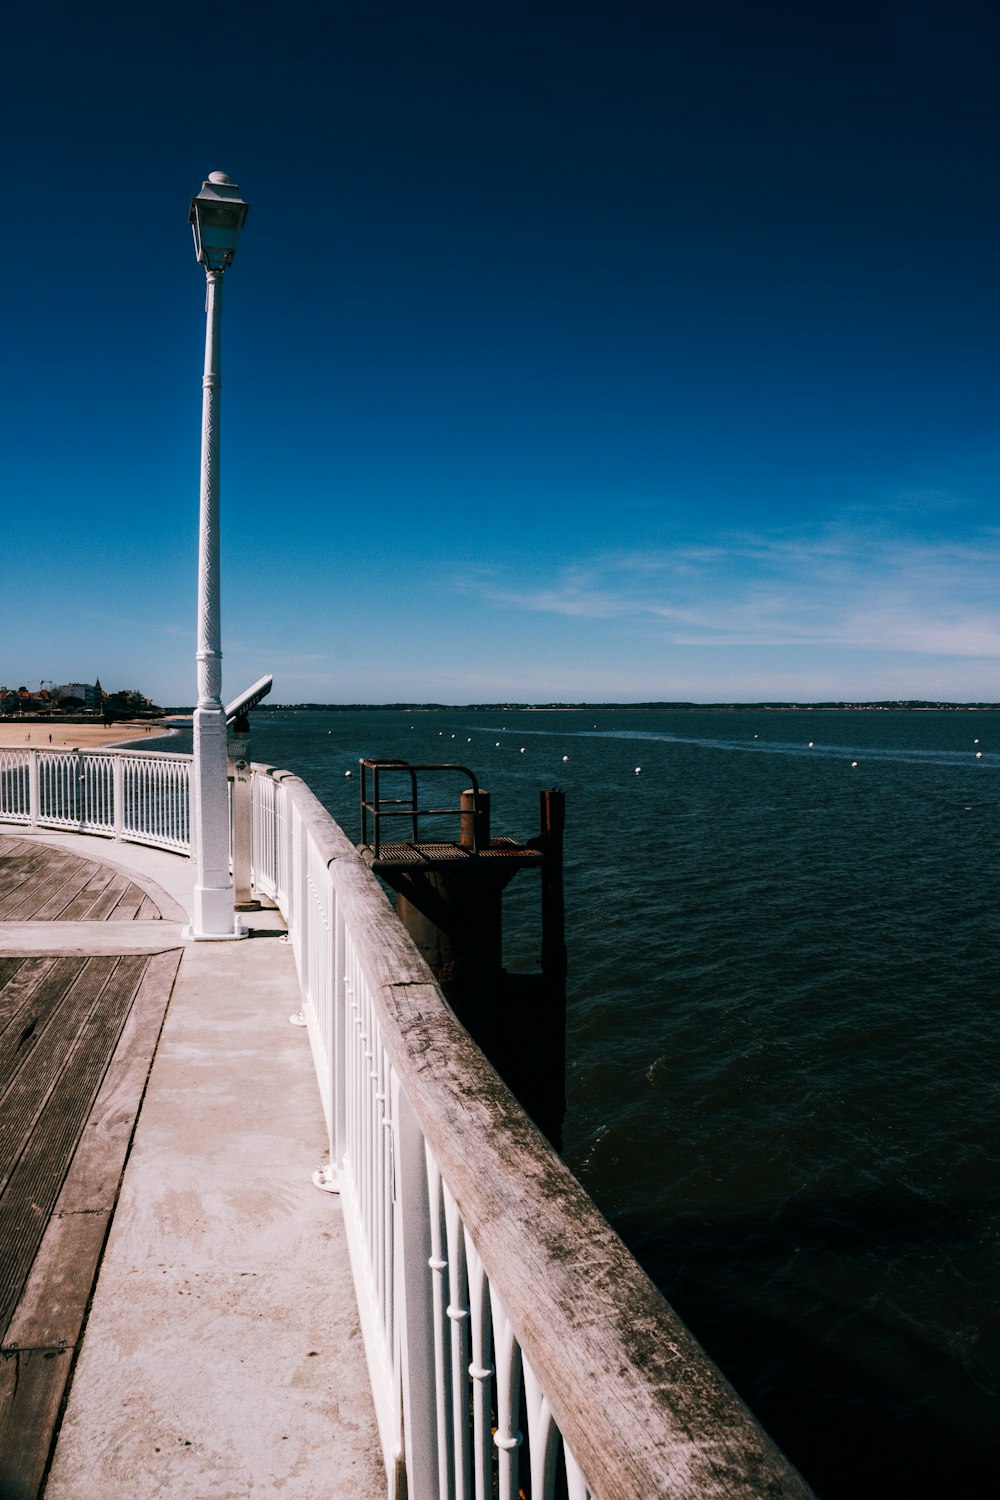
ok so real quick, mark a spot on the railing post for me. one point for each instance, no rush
(340, 1035)
(34, 798)
(118, 796)
(241, 805)
(413, 1320)
(80, 792)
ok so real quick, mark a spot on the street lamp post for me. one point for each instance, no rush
(217, 215)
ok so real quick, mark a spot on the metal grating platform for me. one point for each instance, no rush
(400, 856)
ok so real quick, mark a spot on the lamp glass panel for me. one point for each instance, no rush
(218, 227)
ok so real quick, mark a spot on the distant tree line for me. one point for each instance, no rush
(77, 698)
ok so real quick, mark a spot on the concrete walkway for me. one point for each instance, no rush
(222, 1355)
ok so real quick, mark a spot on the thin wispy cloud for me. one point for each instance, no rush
(860, 590)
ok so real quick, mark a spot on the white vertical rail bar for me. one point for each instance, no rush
(576, 1485)
(343, 1038)
(386, 1277)
(15, 793)
(355, 1053)
(481, 1371)
(78, 791)
(34, 793)
(542, 1436)
(442, 1363)
(414, 1327)
(507, 1437)
(458, 1317)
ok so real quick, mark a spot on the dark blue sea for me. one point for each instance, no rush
(784, 1041)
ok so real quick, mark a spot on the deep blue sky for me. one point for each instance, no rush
(572, 351)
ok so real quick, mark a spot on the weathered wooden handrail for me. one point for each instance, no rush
(606, 1364)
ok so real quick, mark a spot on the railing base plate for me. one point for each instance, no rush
(325, 1178)
(190, 936)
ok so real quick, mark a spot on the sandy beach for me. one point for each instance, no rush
(78, 736)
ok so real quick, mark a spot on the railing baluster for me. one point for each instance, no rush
(458, 1315)
(542, 1436)
(507, 1437)
(481, 1371)
(442, 1364)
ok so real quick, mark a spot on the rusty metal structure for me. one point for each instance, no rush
(449, 898)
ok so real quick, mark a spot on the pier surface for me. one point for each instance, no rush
(160, 1123)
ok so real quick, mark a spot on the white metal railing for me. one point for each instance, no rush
(514, 1345)
(123, 794)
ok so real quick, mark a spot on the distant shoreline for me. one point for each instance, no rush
(913, 705)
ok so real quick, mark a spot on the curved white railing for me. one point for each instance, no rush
(141, 796)
(514, 1345)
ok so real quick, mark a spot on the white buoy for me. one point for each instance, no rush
(810, 744)
(565, 759)
(979, 755)
(498, 744)
(348, 773)
(522, 749)
(638, 770)
(854, 765)
(975, 742)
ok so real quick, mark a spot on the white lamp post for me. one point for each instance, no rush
(217, 215)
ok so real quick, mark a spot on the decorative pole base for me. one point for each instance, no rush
(190, 936)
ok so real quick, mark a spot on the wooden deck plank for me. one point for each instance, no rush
(20, 860)
(43, 883)
(22, 904)
(22, 872)
(109, 898)
(29, 1021)
(32, 1382)
(33, 1067)
(36, 1354)
(65, 893)
(127, 908)
(15, 867)
(79, 910)
(19, 986)
(37, 1175)
(51, 1312)
(20, 1011)
(23, 858)
(94, 882)
(77, 1036)
(92, 1184)
(9, 965)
